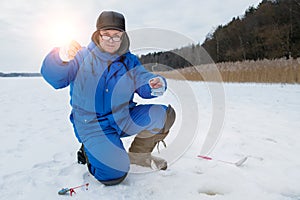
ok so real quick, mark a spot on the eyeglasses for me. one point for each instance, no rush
(114, 38)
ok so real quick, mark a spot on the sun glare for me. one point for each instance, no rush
(58, 30)
(61, 32)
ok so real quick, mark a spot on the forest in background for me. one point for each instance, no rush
(270, 31)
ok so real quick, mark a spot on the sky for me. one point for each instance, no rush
(29, 29)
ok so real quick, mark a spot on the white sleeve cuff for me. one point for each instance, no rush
(159, 91)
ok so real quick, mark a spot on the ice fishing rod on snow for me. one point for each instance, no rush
(238, 163)
(64, 191)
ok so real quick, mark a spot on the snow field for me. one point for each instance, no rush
(38, 147)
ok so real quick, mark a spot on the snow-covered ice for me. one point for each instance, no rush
(38, 147)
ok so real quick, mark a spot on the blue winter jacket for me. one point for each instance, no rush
(102, 86)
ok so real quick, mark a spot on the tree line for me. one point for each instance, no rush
(269, 31)
(19, 74)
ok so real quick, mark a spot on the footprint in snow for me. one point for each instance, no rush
(270, 140)
(209, 192)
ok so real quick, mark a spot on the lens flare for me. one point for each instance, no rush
(61, 32)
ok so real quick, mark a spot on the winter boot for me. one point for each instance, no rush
(141, 148)
(144, 143)
(81, 157)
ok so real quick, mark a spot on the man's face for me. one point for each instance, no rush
(110, 40)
